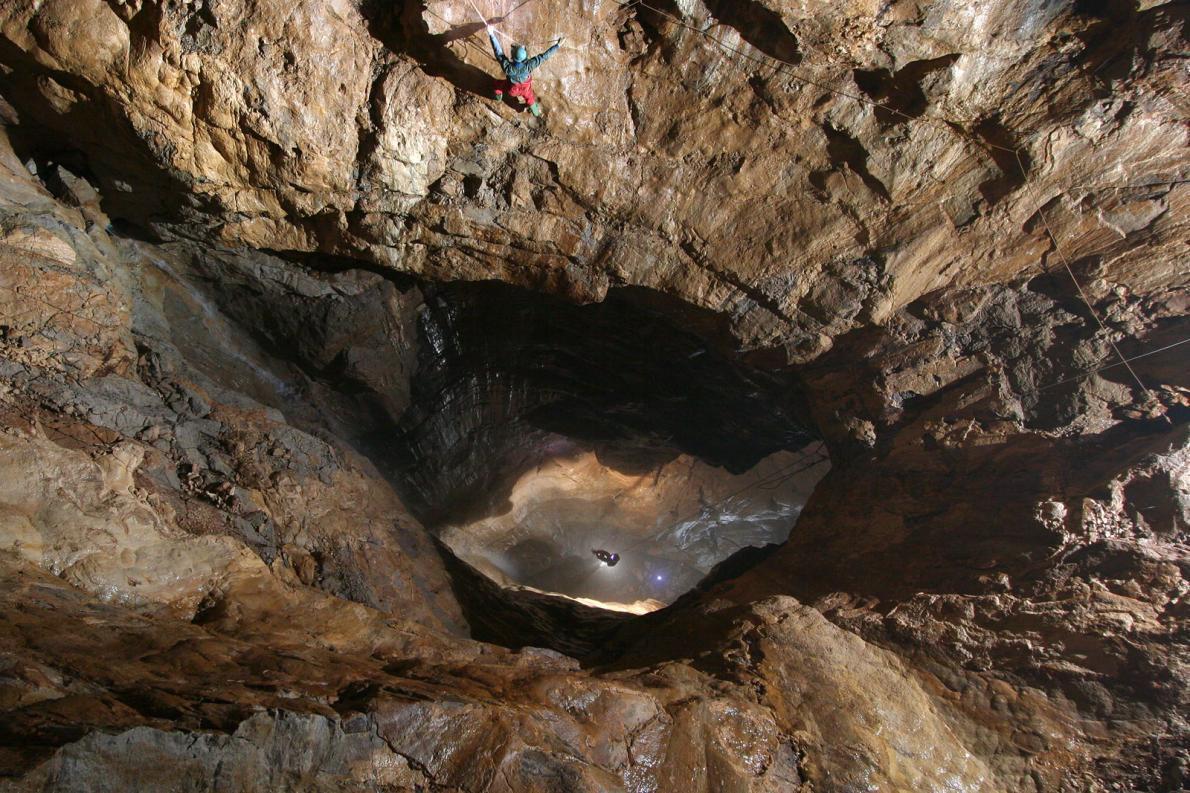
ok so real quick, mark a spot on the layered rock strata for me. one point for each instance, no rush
(208, 223)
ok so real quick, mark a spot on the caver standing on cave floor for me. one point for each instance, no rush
(518, 69)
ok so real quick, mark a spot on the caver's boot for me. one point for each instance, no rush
(535, 109)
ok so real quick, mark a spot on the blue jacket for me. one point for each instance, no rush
(518, 72)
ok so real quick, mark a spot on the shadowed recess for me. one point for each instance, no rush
(541, 432)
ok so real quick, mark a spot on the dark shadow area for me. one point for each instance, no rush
(761, 27)
(507, 378)
(403, 29)
(899, 93)
(841, 147)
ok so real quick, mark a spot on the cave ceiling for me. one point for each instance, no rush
(323, 372)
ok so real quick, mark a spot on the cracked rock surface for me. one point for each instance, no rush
(366, 129)
(230, 228)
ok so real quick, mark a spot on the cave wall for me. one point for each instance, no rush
(199, 550)
(112, 353)
(1007, 550)
(507, 379)
(670, 525)
(365, 130)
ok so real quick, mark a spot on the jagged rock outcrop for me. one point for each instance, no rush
(220, 220)
(366, 130)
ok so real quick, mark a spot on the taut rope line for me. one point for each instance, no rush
(782, 65)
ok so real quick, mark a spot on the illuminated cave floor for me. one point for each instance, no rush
(670, 525)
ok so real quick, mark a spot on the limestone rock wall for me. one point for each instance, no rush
(211, 584)
(366, 130)
(987, 522)
(172, 427)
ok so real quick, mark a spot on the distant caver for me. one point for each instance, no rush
(609, 558)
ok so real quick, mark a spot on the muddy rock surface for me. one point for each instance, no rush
(248, 370)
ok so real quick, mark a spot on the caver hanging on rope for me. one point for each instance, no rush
(518, 70)
(609, 558)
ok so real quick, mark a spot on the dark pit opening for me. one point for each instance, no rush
(523, 431)
(542, 434)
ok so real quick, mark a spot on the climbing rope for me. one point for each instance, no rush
(786, 67)
(482, 18)
(1124, 362)
(781, 66)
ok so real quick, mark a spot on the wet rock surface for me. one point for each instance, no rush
(217, 222)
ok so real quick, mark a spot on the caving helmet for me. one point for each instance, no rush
(519, 53)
